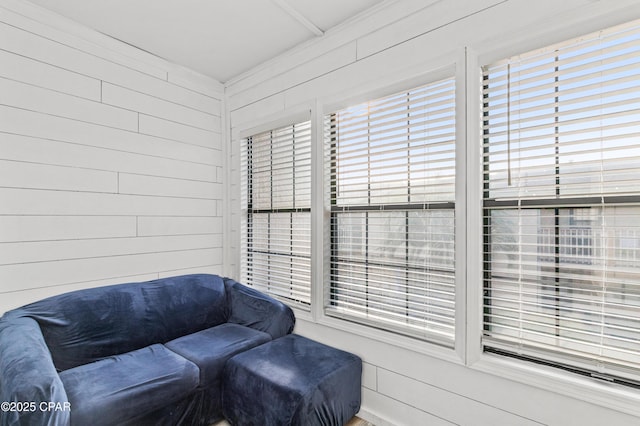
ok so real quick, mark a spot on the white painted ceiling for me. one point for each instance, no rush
(218, 38)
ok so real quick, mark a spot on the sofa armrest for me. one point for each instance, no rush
(28, 377)
(257, 310)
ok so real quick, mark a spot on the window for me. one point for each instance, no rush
(392, 194)
(562, 205)
(277, 185)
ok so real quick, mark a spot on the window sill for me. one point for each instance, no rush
(386, 337)
(301, 313)
(609, 395)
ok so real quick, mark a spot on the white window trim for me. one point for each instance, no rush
(320, 216)
(613, 396)
(285, 118)
(609, 395)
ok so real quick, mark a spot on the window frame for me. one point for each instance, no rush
(557, 203)
(452, 66)
(618, 397)
(271, 123)
(374, 207)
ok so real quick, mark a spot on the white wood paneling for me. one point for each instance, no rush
(376, 408)
(188, 79)
(59, 228)
(106, 59)
(180, 132)
(28, 42)
(14, 174)
(443, 404)
(167, 187)
(46, 274)
(20, 122)
(27, 70)
(436, 16)
(214, 268)
(15, 299)
(375, 18)
(395, 65)
(259, 110)
(24, 296)
(93, 245)
(369, 376)
(41, 150)
(32, 98)
(47, 202)
(137, 101)
(155, 225)
(109, 172)
(333, 60)
(56, 28)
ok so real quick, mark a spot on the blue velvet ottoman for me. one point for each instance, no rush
(292, 381)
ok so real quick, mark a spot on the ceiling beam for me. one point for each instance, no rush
(299, 17)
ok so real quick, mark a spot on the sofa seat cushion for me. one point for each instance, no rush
(211, 348)
(115, 389)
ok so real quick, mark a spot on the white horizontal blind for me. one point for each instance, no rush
(392, 181)
(277, 185)
(562, 204)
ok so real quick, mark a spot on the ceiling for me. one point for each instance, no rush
(218, 38)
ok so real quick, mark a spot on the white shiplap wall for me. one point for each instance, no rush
(111, 165)
(409, 383)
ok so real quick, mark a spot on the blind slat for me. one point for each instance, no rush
(276, 178)
(394, 269)
(561, 280)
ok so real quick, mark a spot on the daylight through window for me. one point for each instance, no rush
(562, 204)
(392, 184)
(277, 196)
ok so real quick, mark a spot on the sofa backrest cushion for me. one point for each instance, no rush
(88, 325)
(252, 308)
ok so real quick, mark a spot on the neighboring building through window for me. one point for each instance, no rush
(277, 198)
(392, 203)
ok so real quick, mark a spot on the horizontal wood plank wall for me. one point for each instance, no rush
(405, 39)
(111, 165)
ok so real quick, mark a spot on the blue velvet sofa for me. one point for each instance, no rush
(148, 353)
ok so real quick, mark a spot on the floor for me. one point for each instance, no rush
(356, 421)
